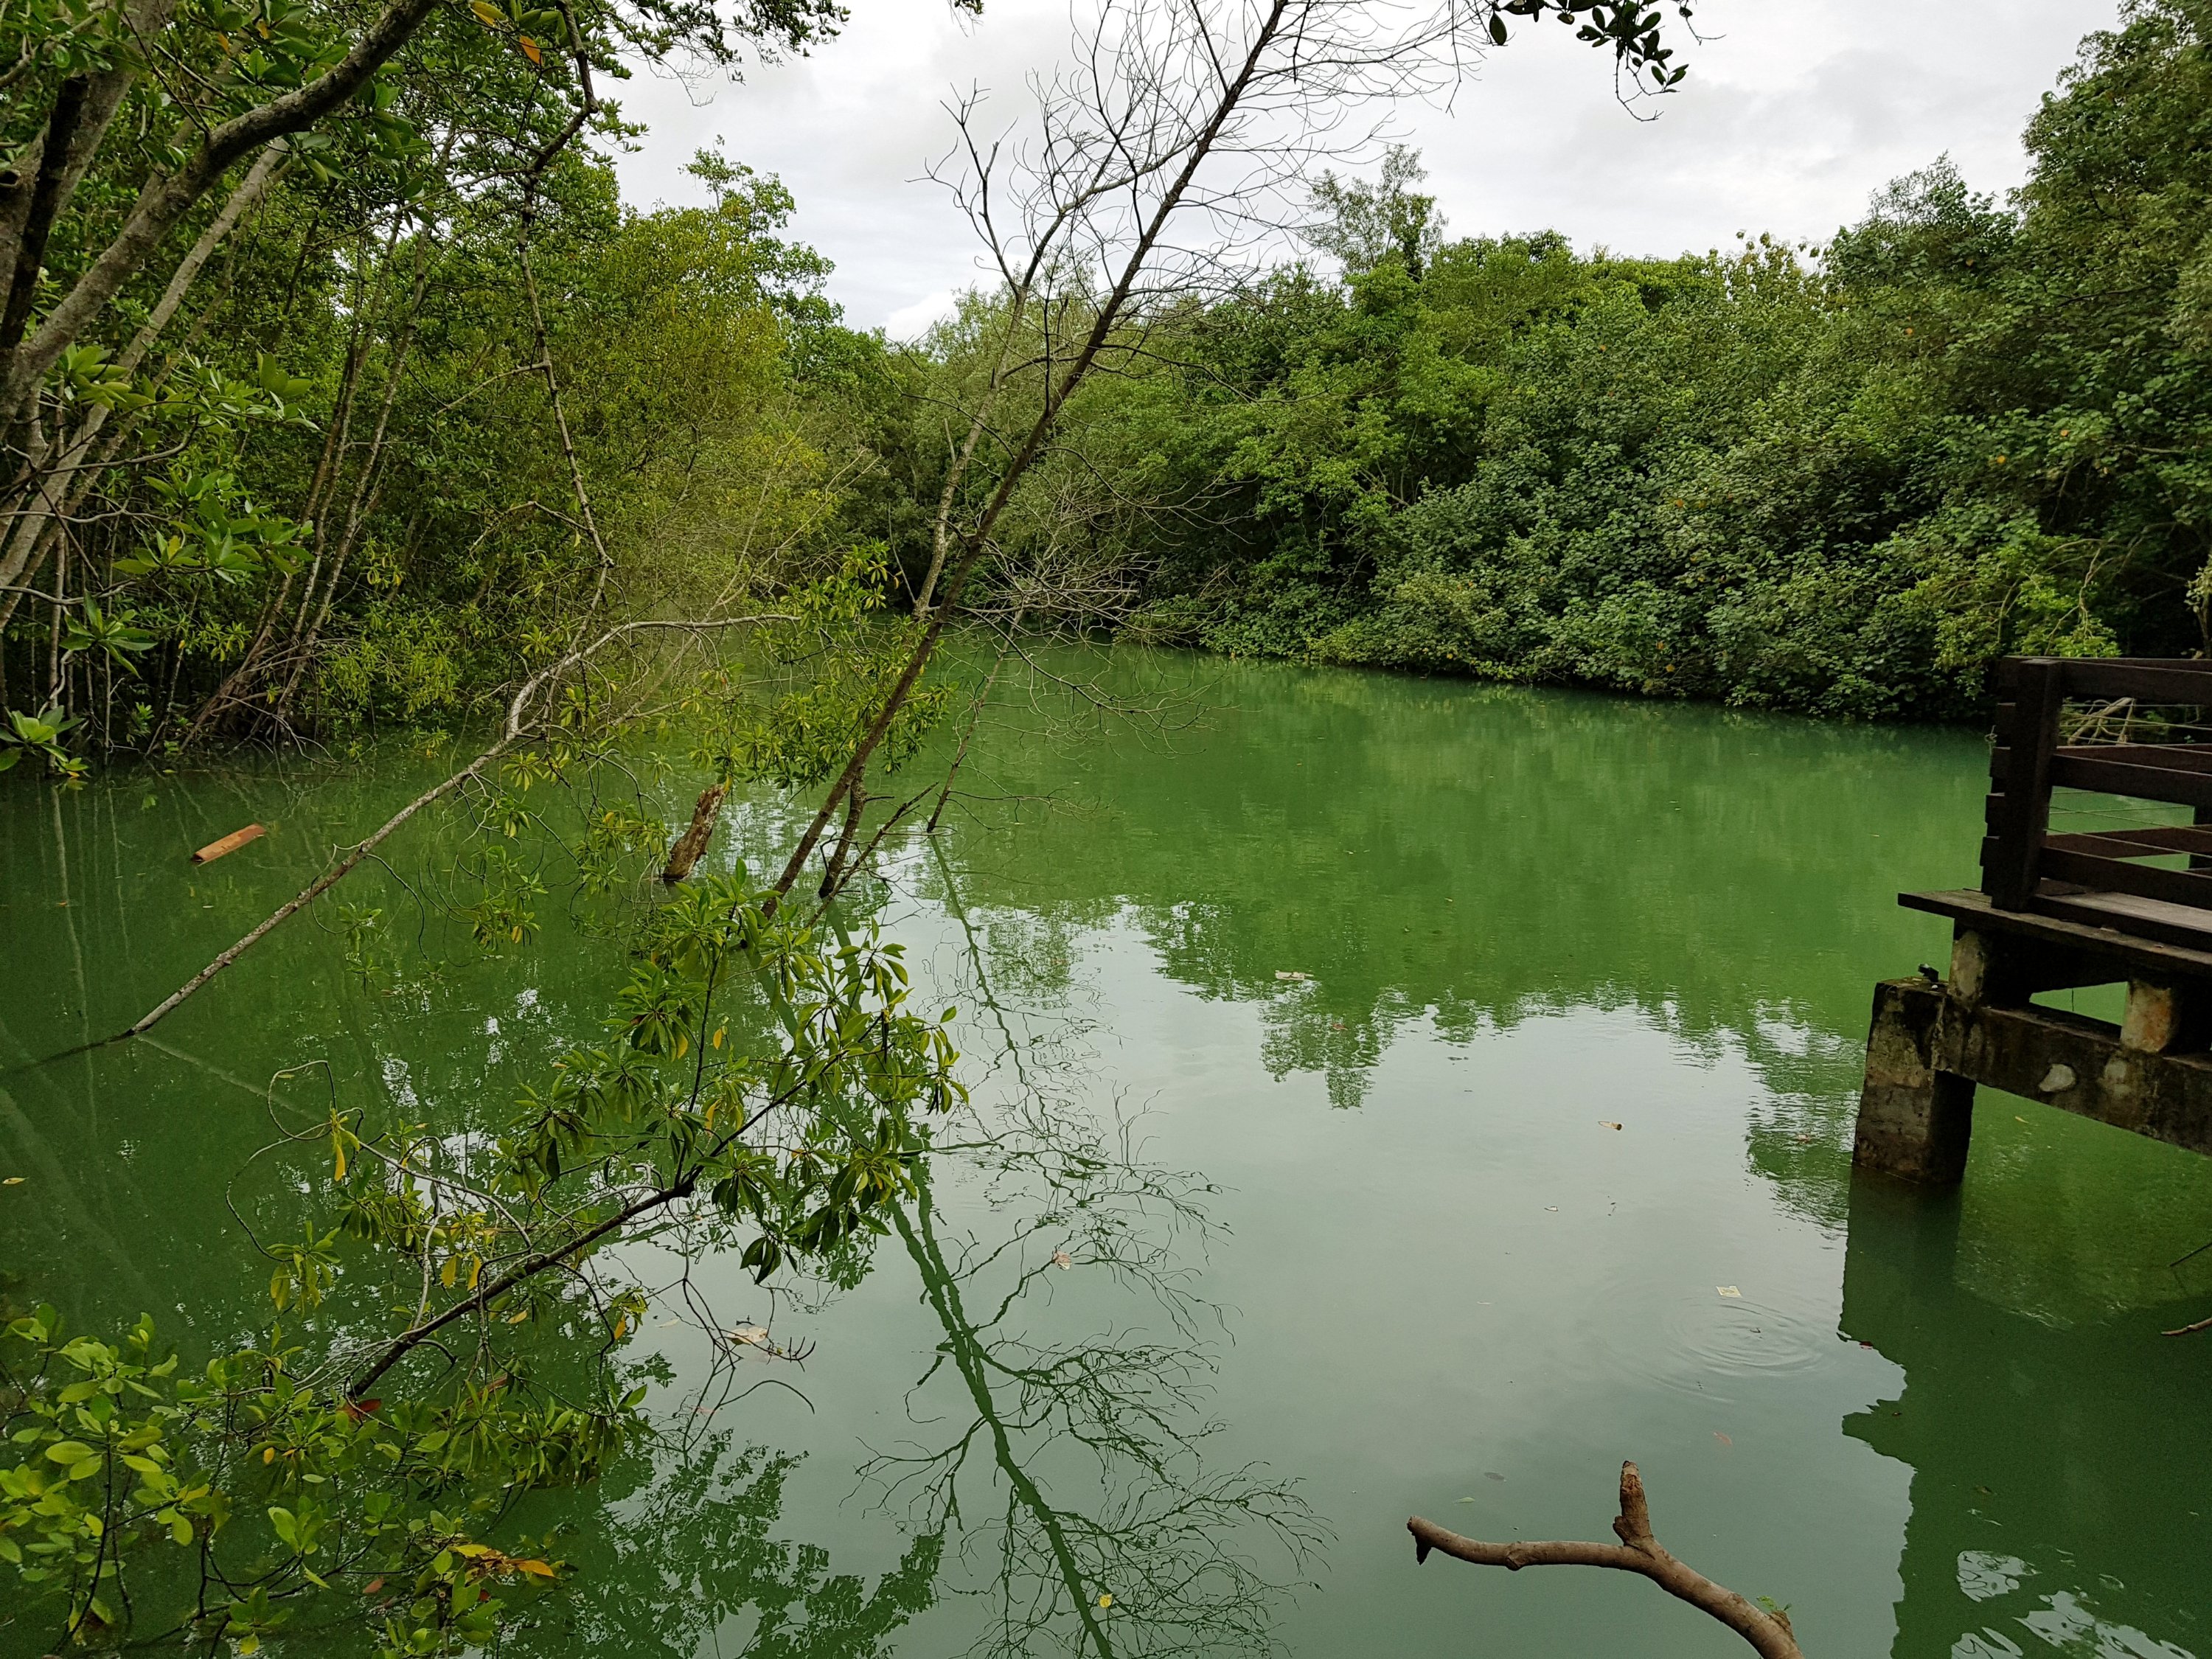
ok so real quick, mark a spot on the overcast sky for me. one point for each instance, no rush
(1793, 112)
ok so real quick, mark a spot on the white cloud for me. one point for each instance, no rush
(1792, 113)
(912, 322)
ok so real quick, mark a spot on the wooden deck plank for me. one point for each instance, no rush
(2131, 952)
(2150, 842)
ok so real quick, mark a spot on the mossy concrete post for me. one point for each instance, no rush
(1915, 1119)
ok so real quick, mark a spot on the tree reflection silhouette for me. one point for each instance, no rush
(1076, 1465)
(678, 1559)
(1475, 856)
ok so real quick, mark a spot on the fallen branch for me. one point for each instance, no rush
(2190, 1330)
(513, 730)
(1638, 1552)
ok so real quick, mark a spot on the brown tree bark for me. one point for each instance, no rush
(856, 802)
(691, 845)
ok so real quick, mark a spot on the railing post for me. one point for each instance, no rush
(2020, 768)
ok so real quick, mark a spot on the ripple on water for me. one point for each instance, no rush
(1698, 1341)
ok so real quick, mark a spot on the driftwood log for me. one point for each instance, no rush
(1768, 1632)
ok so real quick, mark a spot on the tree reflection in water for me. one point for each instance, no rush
(1059, 1479)
(679, 1560)
(1063, 1439)
(1079, 1469)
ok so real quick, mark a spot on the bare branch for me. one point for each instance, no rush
(1638, 1552)
(520, 723)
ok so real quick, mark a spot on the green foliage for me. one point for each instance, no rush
(1364, 225)
(326, 484)
(1840, 479)
(125, 1466)
(447, 1336)
(810, 683)
(39, 734)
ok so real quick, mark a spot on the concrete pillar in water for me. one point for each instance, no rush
(1914, 1119)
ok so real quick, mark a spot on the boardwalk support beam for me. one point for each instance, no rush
(1930, 1046)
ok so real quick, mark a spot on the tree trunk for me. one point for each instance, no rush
(692, 843)
(856, 802)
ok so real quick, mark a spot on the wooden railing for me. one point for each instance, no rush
(2094, 874)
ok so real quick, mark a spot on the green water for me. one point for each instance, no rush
(1371, 1246)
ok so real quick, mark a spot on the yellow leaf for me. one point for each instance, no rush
(269, 1454)
(475, 1266)
(487, 14)
(530, 51)
(340, 1175)
(536, 1569)
(622, 1326)
(471, 1549)
(718, 1036)
(518, 1316)
(1105, 1601)
(446, 1273)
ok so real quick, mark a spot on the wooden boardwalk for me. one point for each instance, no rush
(2055, 910)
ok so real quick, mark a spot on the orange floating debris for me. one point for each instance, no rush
(229, 843)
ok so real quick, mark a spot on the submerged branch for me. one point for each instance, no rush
(519, 726)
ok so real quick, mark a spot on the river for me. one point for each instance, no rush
(1468, 1076)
